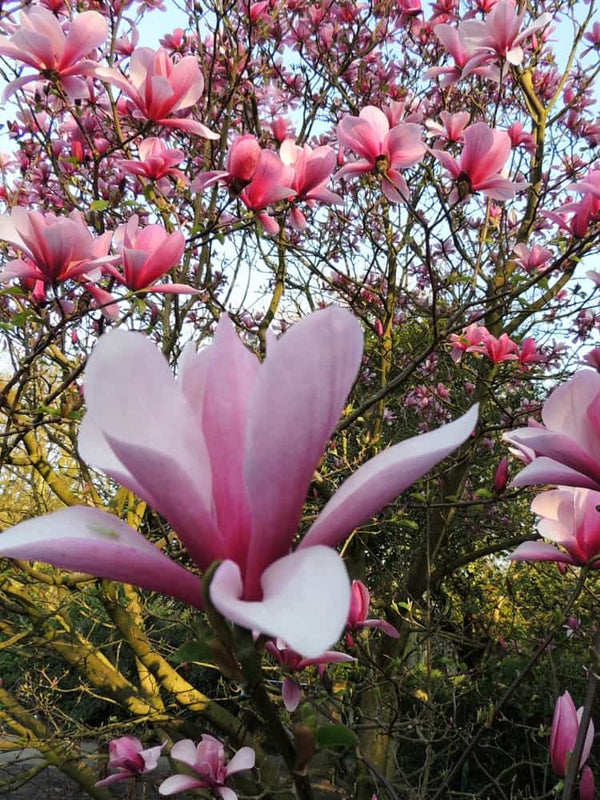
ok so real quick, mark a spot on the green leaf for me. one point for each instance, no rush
(99, 205)
(194, 650)
(330, 736)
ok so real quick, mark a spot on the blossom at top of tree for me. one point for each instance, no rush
(54, 249)
(226, 454)
(469, 59)
(159, 88)
(128, 756)
(40, 42)
(479, 168)
(384, 150)
(569, 518)
(500, 32)
(207, 761)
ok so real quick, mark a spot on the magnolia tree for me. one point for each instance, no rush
(299, 317)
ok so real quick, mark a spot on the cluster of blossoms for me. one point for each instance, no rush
(206, 761)
(477, 339)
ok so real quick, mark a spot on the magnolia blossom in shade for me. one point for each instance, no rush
(479, 167)
(312, 171)
(242, 160)
(564, 450)
(565, 727)
(53, 249)
(532, 258)
(291, 662)
(159, 88)
(207, 761)
(360, 600)
(41, 43)
(146, 254)
(569, 518)
(128, 757)
(500, 31)
(226, 454)
(384, 151)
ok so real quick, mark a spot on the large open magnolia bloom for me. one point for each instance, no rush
(569, 518)
(384, 150)
(226, 454)
(53, 249)
(566, 449)
(159, 88)
(479, 168)
(39, 42)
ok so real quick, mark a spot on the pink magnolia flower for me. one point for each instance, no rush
(40, 42)
(500, 31)
(528, 352)
(311, 172)
(53, 248)
(564, 450)
(146, 255)
(473, 335)
(226, 454)
(570, 519)
(532, 258)
(469, 59)
(565, 726)
(290, 661)
(159, 88)
(501, 475)
(360, 600)
(271, 182)
(452, 127)
(578, 217)
(156, 161)
(479, 168)
(497, 349)
(384, 151)
(519, 137)
(207, 760)
(128, 757)
(242, 160)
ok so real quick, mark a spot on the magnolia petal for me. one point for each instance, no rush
(296, 590)
(140, 430)
(546, 470)
(185, 751)
(180, 783)
(189, 125)
(291, 694)
(245, 758)
(384, 477)
(90, 540)
(232, 371)
(226, 793)
(302, 385)
(382, 625)
(539, 551)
